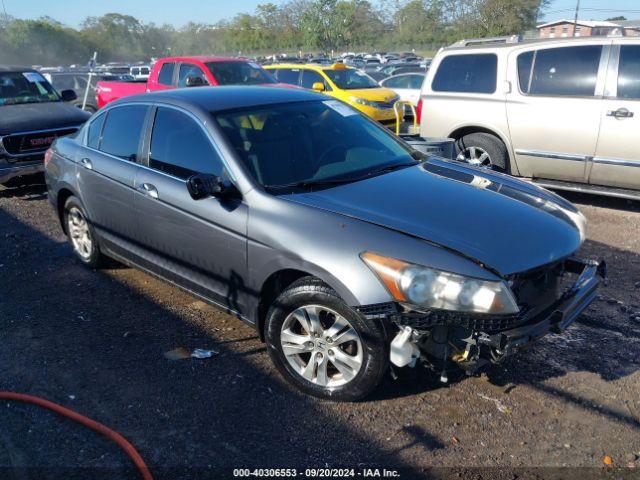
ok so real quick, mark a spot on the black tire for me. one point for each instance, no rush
(489, 143)
(92, 257)
(312, 291)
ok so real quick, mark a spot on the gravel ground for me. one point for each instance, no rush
(94, 341)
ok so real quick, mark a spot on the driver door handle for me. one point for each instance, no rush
(148, 190)
(86, 163)
(620, 113)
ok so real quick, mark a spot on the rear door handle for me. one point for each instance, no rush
(86, 163)
(620, 113)
(148, 190)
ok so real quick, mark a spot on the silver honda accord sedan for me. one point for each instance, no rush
(349, 252)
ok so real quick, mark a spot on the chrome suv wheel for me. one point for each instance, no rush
(321, 345)
(476, 156)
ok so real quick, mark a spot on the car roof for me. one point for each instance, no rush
(15, 68)
(502, 44)
(215, 99)
(203, 59)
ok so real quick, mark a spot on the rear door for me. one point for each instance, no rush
(166, 78)
(617, 160)
(107, 169)
(553, 109)
(201, 245)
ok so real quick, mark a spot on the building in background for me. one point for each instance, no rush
(588, 28)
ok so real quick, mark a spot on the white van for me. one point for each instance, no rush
(564, 112)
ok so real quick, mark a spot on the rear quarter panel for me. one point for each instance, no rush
(444, 113)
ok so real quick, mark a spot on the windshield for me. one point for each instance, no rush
(25, 87)
(311, 142)
(239, 73)
(350, 79)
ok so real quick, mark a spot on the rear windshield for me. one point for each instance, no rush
(239, 73)
(313, 142)
(350, 79)
(25, 87)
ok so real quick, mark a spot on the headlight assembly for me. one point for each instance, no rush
(362, 101)
(432, 288)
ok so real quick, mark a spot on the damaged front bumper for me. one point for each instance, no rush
(446, 338)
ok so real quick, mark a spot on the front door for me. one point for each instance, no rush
(199, 244)
(554, 109)
(617, 160)
(106, 172)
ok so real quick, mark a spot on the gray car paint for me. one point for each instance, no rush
(225, 253)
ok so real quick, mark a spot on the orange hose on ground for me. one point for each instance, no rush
(87, 422)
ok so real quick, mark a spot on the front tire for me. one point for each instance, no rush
(81, 234)
(483, 150)
(322, 346)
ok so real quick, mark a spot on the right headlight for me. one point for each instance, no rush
(428, 287)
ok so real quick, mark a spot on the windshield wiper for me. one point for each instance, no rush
(313, 183)
(389, 168)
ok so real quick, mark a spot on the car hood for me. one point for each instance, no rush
(29, 117)
(505, 224)
(385, 95)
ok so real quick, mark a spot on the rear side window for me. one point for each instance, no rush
(288, 75)
(397, 82)
(565, 71)
(165, 77)
(95, 129)
(179, 146)
(122, 130)
(474, 73)
(629, 72)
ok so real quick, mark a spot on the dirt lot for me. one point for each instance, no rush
(95, 342)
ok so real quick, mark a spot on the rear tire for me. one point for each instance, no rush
(81, 234)
(322, 346)
(483, 150)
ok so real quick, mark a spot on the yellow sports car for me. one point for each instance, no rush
(344, 83)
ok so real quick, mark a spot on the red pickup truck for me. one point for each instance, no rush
(179, 72)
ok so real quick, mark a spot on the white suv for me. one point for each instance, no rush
(565, 113)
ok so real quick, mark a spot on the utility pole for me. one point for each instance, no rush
(575, 19)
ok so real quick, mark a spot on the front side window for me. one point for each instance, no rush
(397, 82)
(565, 71)
(310, 142)
(290, 76)
(351, 79)
(165, 77)
(25, 87)
(475, 73)
(122, 131)
(629, 72)
(239, 73)
(309, 77)
(95, 130)
(179, 146)
(189, 70)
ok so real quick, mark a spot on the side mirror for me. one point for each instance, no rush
(68, 95)
(195, 82)
(203, 185)
(319, 86)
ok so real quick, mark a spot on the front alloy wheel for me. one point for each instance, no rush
(321, 346)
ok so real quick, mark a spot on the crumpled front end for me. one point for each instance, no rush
(550, 299)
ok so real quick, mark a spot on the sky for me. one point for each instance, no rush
(180, 12)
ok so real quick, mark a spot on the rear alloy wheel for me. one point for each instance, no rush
(81, 234)
(483, 150)
(321, 345)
